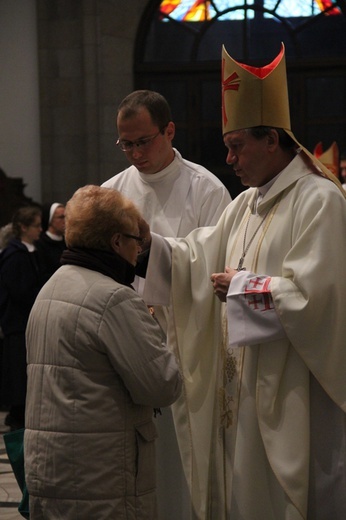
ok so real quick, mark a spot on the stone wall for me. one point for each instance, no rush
(86, 50)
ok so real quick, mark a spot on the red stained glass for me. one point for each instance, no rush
(201, 10)
(324, 4)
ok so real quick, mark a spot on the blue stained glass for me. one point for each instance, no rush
(239, 14)
(282, 8)
(290, 9)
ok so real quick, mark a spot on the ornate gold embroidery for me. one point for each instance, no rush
(226, 399)
(226, 415)
(229, 372)
(231, 364)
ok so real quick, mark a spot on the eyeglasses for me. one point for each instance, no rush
(128, 146)
(140, 240)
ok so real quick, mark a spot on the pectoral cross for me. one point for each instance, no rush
(240, 264)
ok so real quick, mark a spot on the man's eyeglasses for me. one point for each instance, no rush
(128, 146)
(140, 240)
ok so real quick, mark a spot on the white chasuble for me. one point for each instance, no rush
(247, 433)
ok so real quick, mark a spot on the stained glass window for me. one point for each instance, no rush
(178, 53)
(202, 10)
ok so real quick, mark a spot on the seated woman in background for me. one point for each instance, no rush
(20, 282)
(96, 369)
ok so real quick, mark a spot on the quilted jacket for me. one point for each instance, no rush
(96, 369)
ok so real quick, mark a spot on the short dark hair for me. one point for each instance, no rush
(154, 102)
(285, 140)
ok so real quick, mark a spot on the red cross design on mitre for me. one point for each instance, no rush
(230, 83)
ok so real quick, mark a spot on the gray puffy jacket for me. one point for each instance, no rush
(96, 369)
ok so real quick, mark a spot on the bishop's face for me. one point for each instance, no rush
(251, 158)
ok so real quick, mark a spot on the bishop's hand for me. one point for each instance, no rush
(144, 231)
(221, 282)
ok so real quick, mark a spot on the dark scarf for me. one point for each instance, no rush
(104, 262)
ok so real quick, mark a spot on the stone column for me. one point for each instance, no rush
(86, 50)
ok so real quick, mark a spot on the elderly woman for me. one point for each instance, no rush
(20, 282)
(96, 369)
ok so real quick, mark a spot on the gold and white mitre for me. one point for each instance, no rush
(329, 157)
(258, 96)
(254, 96)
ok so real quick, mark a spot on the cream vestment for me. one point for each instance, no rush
(262, 435)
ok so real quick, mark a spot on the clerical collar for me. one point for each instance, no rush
(169, 171)
(265, 188)
(262, 190)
